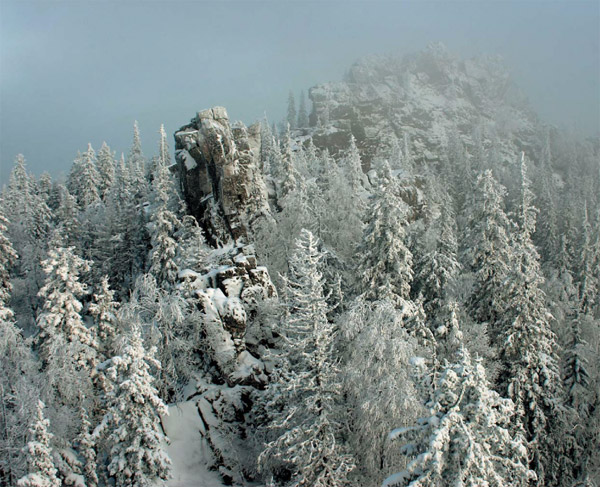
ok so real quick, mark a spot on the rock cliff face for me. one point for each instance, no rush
(220, 176)
(429, 97)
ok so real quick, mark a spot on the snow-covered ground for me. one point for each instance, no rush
(188, 449)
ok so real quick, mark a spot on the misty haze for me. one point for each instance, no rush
(299, 244)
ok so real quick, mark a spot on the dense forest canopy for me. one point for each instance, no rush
(397, 285)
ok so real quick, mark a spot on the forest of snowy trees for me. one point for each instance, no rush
(434, 323)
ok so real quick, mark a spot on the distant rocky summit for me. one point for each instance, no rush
(429, 98)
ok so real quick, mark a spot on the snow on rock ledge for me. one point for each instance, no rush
(228, 295)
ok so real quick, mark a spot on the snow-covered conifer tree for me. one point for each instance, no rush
(165, 223)
(529, 372)
(385, 261)
(86, 446)
(437, 267)
(354, 169)
(341, 215)
(104, 310)
(303, 407)
(467, 439)
(289, 174)
(163, 313)
(302, 113)
(106, 165)
(490, 250)
(18, 380)
(67, 217)
(8, 257)
(377, 385)
(42, 472)
(291, 111)
(62, 307)
(164, 155)
(576, 376)
(590, 258)
(86, 188)
(132, 423)
(192, 249)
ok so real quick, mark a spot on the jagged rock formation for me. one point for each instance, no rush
(429, 97)
(220, 176)
(218, 165)
(228, 295)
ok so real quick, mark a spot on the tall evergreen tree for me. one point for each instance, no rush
(42, 472)
(8, 257)
(378, 386)
(18, 380)
(66, 346)
(62, 307)
(467, 438)
(590, 259)
(302, 113)
(291, 111)
(385, 261)
(528, 354)
(86, 445)
(136, 162)
(490, 251)
(132, 423)
(104, 310)
(106, 165)
(304, 408)
(164, 223)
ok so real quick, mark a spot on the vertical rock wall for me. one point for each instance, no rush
(219, 170)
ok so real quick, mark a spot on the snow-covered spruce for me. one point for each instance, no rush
(303, 405)
(136, 457)
(467, 439)
(42, 472)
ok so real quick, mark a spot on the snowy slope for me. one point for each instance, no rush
(188, 450)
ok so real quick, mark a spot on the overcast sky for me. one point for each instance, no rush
(73, 72)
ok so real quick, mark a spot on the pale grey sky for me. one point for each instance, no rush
(79, 71)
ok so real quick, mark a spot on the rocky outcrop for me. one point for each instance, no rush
(220, 177)
(429, 97)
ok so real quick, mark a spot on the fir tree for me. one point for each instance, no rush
(164, 225)
(491, 251)
(378, 387)
(132, 423)
(302, 113)
(304, 406)
(438, 266)
(528, 353)
(106, 164)
(467, 438)
(86, 189)
(385, 262)
(164, 157)
(354, 169)
(590, 258)
(42, 472)
(86, 445)
(289, 174)
(8, 257)
(62, 306)
(104, 310)
(136, 163)
(291, 111)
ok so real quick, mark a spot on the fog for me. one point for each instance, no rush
(73, 72)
